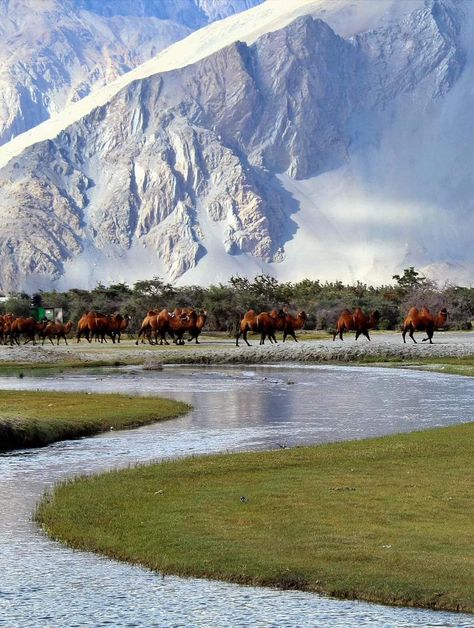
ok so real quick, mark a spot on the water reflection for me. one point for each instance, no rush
(43, 583)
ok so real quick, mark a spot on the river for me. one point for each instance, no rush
(43, 583)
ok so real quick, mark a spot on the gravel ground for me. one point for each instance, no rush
(223, 351)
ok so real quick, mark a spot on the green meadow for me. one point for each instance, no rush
(34, 419)
(386, 520)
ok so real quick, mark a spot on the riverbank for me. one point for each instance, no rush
(35, 419)
(384, 348)
(384, 520)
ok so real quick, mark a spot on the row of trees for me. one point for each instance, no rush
(226, 302)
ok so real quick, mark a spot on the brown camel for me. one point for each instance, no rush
(147, 326)
(181, 321)
(56, 330)
(5, 327)
(158, 324)
(356, 321)
(195, 331)
(423, 320)
(264, 323)
(118, 324)
(27, 326)
(287, 323)
(94, 325)
(293, 323)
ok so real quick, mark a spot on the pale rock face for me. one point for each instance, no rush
(54, 52)
(222, 156)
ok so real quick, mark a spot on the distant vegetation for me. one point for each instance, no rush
(226, 302)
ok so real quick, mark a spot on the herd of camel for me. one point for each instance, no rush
(158, 324)
(268, 323)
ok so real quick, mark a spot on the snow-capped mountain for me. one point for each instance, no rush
(321, 138)
(55, 52)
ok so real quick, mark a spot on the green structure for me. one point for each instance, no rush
(47, 313)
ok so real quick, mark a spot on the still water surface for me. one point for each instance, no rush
(45, 584)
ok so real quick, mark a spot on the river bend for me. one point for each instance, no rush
(45, 584)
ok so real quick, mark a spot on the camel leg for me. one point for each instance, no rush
(244, 336)
(410, 333)
(366, 334)
(358, 333)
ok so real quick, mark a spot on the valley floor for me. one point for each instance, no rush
(456, 348)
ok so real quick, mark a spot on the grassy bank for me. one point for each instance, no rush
(386, 520)
(34, 419)
(449, 365)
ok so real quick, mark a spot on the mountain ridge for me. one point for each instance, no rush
(243, 163)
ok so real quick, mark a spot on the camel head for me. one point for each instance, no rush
(302, 316)
(442, 317)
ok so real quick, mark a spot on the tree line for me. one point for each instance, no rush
(225, 303)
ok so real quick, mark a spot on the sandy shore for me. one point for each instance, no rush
(386, 347)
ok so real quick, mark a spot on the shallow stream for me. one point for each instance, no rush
(45, 584)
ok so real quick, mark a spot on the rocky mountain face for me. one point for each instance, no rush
(188, 171)
(54, 52)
